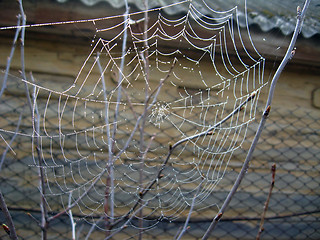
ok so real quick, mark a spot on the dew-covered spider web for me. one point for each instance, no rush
(150, 123)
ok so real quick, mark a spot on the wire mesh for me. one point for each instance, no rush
(291, 140)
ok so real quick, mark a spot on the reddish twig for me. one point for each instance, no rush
(266, 205)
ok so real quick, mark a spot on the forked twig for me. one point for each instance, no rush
(289, 54)
(266, 205)
(209, 131)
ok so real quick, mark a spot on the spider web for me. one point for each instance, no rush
(103, 139)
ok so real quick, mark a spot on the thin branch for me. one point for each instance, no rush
(79, 231)
(97, 178)
(34, 219)
(266, 205)
(145, 58)
(289, 54)
(35, 139)
(185, 227)
(155, 93)
(12, 231)
(11, 141)
(93, 227)
(130, 104)
(9, 60)
(209, 131)
(109, 192)
(4, 85)
(123, 54)
(36, 126)
(73, 224)
(128, 221)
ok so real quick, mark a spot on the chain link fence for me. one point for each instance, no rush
(291, 140)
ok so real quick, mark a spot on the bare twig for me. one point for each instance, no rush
(289, 54)
(9, 60)
(12, 231)
(185, 227)
(109, 191)
(155, 94)
(11, 141)
(266, 205)
(145, 58)
(93, 227)
(4, 85)
(128, 221)
(209, 131)
(34, 219)
(73, 224)
(120, 73)
(136, 126)
(36, 127)
(75, 202)
(35, 139)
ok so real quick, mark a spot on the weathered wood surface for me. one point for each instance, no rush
(268, 44)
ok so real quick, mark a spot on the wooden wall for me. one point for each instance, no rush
(55, 62)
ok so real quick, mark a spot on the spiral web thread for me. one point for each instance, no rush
(102, 140)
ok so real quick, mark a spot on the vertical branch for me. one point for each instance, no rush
(289, 54)
(9, 60)
(4, 85)
(120, 74)
(36, 128)
(73, 224)
(266, 205)
(142, 153)
(35, 140)
(23, 72)
(109, 192)
(146, 45)
(11, 231)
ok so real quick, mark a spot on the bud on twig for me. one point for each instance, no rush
(6, 228)
(293, 52)
(217, 218)
(210, 133)
(298, 12)
(267, 111)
